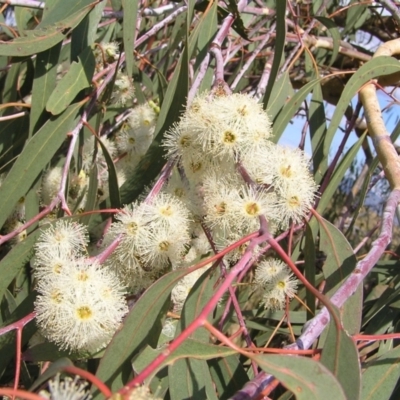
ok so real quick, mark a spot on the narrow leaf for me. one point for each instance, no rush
(334, 31)
(42, 37)
(340, 263)
(35, 156)
(305, 378)
(129, 30)
(278, 50)
(78, 77)
(135, 331)
(198, 297)
(379, 66)
(190, 379)
(281, 90)
(44, 83)
(291, 107)
(381, 376)
(16, 259)
(228, 375)
(340, 356)
(317, 119)
(112, 177)
(190, 348)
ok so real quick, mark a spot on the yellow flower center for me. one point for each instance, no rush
(84, 312)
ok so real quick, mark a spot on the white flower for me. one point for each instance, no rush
(141, 393)
(143, 118)
(219, 201)
(179, 140)
(273, 301)
(268, 269)
(251, 203)
(166, 210)
(169, 328)
(158, 246)
(69, 238)
(50, 185)
(82, 308)
(184, 286)
(294, 203)
(177, 187)
(226, 125)
(109, 50)
(49, 264)
(137, 134)
(123, 91)
(66, 389)
(283, 283)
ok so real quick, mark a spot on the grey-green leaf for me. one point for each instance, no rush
(35, 156)
(305, 378)
(340, 356)
(78, 77)
(381, 376)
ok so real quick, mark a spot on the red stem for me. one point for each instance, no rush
(201, 319)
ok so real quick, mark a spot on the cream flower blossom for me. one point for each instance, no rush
(82, 308)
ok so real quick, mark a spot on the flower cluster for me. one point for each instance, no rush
(80, 304)
(152, 235)
(139, 129)
(277, 282)
(217, 137)
(230, 174)
(66, 388)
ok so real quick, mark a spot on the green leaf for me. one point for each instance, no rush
(47, 34)
(228, 375)
(84, 34)
(135, 331)
(309, 269)
(60, 10)
(291, 107)
(338, 174)
(112, 176)
(35, 156)
(317, 120)
(278, 51)
(341, 260)
(190, 348)
(172, 106)
(340, 263)
(9, 91)
(92, 194)
(305, 378)
(198, 297)
(16, 259)
(129, 30)
(48, 351)
(44, 83)
(78, 77)
(340, 356)
(379, 66)
(281, 90)
(13, 134)
(381, 376)
(189, 379)
(334, 31)
(22, 16)
(8, 340)
(207, 25)
(51, 371)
